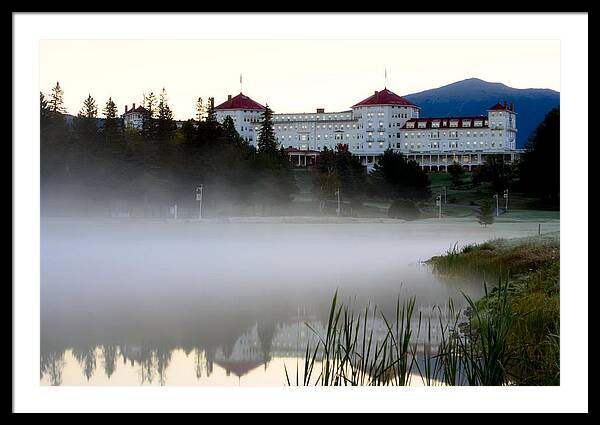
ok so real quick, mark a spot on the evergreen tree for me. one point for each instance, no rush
(394, 177)
(211, 116)
(86, 122)
(165, 124)
(456, 172)
(200, 111)
(56, 102)
(44, 111)
(149, 121)
(485, 215)
(496, 171)
(539, 169)
(267, 143)
(112, 127)
(189, 130)
(230, 133)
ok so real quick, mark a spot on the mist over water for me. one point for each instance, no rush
(123, 298)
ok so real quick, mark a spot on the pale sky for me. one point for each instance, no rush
(289, 75)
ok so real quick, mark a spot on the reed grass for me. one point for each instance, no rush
(511, 336)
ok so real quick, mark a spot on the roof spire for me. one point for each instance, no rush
(385, 79)
(240, 83)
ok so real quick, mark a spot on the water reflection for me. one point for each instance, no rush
(163, 304)
(236, 356)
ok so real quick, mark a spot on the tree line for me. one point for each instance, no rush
(94, 162)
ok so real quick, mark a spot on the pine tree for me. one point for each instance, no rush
(56, 103)
(149, 122)
(456, 172)
(44, 111)
(165, 123)
(211, 116)
(231, 134)
(90, 109)
(112, 129)
(485, 215)
(542, 154)
(200, 112)
(85, 124)
(267, 143)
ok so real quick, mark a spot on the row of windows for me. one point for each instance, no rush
(306, 127)
(451, 134)
(444, 123)
(312, 117)
(449, 145)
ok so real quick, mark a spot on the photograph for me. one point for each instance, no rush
(298, 211)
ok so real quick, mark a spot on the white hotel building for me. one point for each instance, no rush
(379, 122)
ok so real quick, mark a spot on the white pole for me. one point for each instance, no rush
(496, 196)
(199, 198)
(337, 192)
(506, 197)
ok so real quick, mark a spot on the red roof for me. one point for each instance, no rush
(241, 101)
(428, 122)
(139, 110)
(385, 97)
(500, 107)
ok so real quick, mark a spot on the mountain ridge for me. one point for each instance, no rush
(473, 96)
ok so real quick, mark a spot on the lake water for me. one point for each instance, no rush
(172, 303)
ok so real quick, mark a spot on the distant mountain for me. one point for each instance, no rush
(474, 96)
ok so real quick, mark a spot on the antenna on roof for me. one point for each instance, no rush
(240, 83)
(385, 79)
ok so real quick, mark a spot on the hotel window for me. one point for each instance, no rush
(370, 145)
(397, 145)
(406, 145)
(380, 144)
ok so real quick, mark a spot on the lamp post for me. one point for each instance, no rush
(199, 199)
(438, 203)
(445, 195)
(496, 198)
(506, 197)
(338, 210)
